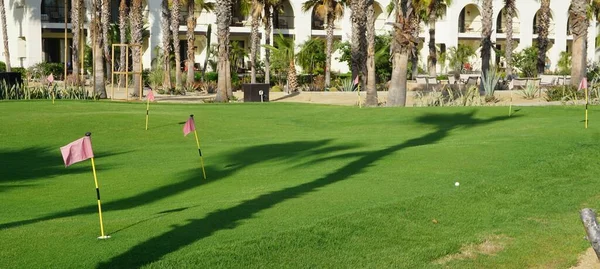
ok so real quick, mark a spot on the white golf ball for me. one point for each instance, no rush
(456, 184)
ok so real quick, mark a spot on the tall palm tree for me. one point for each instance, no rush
(256, 17)
(510, 10)
(175, 12)
(136, 29)
(97, 44)
(223, 12)
(105, 21)
(435, 10)
(330, 11)
(486, 35)
(269, 5)
(5, 35)
(76, 16)
(166, 43)
(285, 48)
(123, 19)
(371, 83)
(191, 37)
(579, 27)
(402, 44)
(543, 24)
(358, 44)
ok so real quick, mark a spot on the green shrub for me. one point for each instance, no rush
(20, 70)
(197, 76)
(2, 67)
(276, 88)
(212, 76)
(442, 77)
(563, 93)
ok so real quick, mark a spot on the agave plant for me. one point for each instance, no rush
(530, 91)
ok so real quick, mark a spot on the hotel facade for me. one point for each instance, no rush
(36, 29)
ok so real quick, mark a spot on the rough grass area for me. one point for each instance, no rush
(292, 185)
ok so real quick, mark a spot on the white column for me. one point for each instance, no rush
(32, 30)
(591, 41)
(154, 16)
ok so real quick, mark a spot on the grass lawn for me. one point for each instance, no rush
(297, 185)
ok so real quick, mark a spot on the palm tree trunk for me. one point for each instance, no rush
(291, 77)
(432, 61)
(136, 38)
(254, 38)
(359, 40)
(542, 40)
(486, 36)
(208, 37)
(401, 46)
(268, 30)
(166, 43)
(223, 10)
(371, 80)
(5, 35)
(191, 26)
(175, 8)
(123, 19)
(510, 13)
(97, 45)
(579, 27)
(329, 45)
(105, 20)
(414, 55)
(76, 10)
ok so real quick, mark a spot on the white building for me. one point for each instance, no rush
(36, 29)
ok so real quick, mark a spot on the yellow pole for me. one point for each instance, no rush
(148, 108)
(81, 58)
(126, 72)
(53, 94)
(510, 106)
(199, 151)
(102, 235)
(586, 107)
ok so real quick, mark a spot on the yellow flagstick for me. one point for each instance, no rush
(586, 107)
(199, 151)
(102, 235)
(53, 94)
(147, 108)
(510, 106)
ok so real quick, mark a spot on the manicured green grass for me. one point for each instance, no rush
(293, 185)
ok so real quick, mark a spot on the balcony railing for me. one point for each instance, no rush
(55, 15)
(516, 28)
(284, 22)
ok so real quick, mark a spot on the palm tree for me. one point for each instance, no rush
(329, 11)
(486, 35)
(223, 12)
(435, 10)
(5, 35)
(97, 44)
(123, 9)
(359, 41)
(284, 48)
(579, 27)
(105, 21)
(191, 26)
(256, 15)
(402, 45)
(543, 24)
(136, 38)
(371, 83)
(76, 16)
(510, 14)
(166, 43)
(175, 11)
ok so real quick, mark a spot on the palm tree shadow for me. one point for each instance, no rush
(157, 247)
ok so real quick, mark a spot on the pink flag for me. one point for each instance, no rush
(50, 78)
(150, 96)
(189, 126)
(355, 84)
(583, 84)
(77, 151)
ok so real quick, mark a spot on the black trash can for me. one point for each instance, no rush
(252, 92)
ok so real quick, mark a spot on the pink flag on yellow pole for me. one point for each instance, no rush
(189, 126)
(77, 151)
(50, 78)
(150, 96)
(583, 84)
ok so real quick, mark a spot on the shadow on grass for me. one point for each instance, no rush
(155, 248)
(37, 163)
(193, 178)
